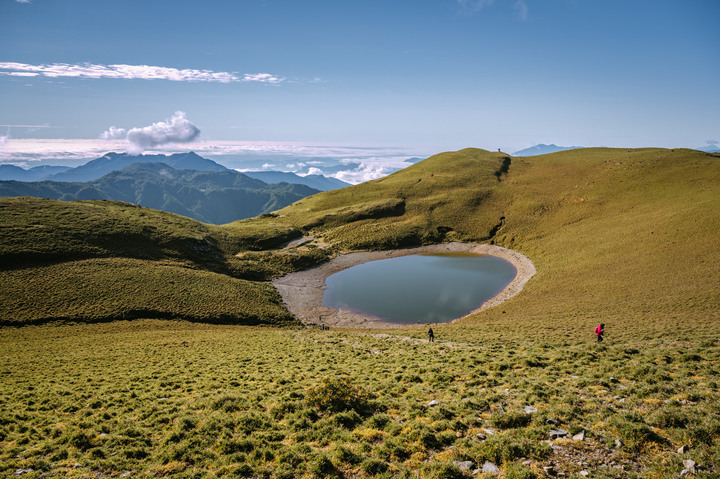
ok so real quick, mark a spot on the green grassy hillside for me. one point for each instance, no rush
(96, 261)
(626, 237)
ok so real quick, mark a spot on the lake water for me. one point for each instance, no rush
(434, 288)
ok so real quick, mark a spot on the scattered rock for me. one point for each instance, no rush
(683, 449)
(20, 472)
(618, 443)
(481, 436)
(584, 473)
(549, 470)
(490, 468)
(463, 465)
(501, 409)
(689, 465)
(558, 433)
(433, 403)
(554, 422)
(530, 409)
(579, 436)
(126, 474)
(614, 380)
(489, 432)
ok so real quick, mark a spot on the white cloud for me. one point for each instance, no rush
(267, 166)
(23, 1)
(177, 129)
(521, 9)
(315, 171)
(4, 140)
(371, 168)
(262, 77)
(132, 72)
(114, 133)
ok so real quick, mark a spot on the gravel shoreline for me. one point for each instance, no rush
(302, 292)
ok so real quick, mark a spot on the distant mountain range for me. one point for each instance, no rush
(217, 197)
(110, 162)
(37, 173)
(318, 182)
(100, 167)
(543, 149)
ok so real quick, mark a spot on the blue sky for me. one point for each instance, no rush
(425, 75)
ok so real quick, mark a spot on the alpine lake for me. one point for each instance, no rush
(423, 288)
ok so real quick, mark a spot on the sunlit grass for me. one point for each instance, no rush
(156, 398)
(624, 237)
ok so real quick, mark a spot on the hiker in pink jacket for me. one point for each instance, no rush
(599, 331)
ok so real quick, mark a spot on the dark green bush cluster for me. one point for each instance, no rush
(337, 395)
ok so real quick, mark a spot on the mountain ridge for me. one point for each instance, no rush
(319, 182)
(209, 196)
(543, 149)
(94, 169)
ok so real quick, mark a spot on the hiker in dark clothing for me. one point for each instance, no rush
(431, 336)
(599, 331)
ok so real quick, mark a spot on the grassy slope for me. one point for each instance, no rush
(159, 398)
(624, 237)
(99, 261)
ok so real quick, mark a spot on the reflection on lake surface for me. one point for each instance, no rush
(433, 288)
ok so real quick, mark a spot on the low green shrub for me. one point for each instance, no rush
(323, 467)
(510, 420)
(443, 470)
(338, 394)
(506, 448)
(373, 467)
(345, 455)
(635, 436)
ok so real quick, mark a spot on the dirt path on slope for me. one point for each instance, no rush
(302, 292)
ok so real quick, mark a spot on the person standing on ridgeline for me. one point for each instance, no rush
(431, 336)
(599, 331)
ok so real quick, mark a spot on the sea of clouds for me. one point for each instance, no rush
(350, 163)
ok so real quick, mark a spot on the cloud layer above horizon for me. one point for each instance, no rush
(353, 164)
(132, 72)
